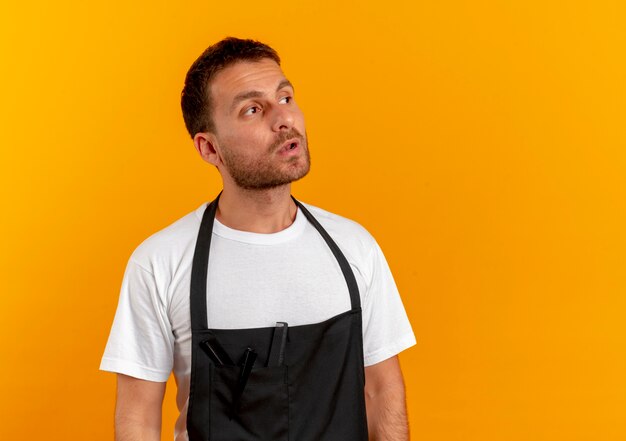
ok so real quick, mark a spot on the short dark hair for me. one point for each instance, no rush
(196, 97)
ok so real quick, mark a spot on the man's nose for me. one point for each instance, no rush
(282, 118)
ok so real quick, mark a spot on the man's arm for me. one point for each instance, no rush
(138, 409)
(385, 402)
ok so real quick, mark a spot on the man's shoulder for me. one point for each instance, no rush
(171, 242)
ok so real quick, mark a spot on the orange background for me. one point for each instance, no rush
(481, 142)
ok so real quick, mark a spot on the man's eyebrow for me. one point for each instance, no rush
(256, 94)
(284, 83)
(244, 96)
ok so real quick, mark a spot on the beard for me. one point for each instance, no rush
(268, 171)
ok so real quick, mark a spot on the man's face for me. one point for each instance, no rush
(260, 132)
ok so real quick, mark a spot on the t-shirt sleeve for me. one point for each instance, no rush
(386, 327)
(141, 343)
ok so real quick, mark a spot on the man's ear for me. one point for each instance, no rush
(206, 143)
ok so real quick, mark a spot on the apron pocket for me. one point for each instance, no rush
(263, 412)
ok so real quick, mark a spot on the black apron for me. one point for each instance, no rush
(314, 392)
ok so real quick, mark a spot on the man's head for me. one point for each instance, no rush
(239, 109)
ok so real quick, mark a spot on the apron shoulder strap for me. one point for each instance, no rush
(355, 298)
(200, 267)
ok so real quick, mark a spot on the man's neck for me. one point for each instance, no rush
(257, 211)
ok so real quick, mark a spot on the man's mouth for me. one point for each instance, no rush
(290, 144)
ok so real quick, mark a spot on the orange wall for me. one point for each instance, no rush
(481, 142)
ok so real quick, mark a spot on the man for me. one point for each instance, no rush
(291, 329)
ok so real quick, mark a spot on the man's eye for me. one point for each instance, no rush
(252, 110)
(286, 99)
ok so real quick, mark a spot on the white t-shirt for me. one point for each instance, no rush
(254, 280)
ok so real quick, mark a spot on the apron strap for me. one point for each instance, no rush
(355, 298)
(200, 268)
(200, 265)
